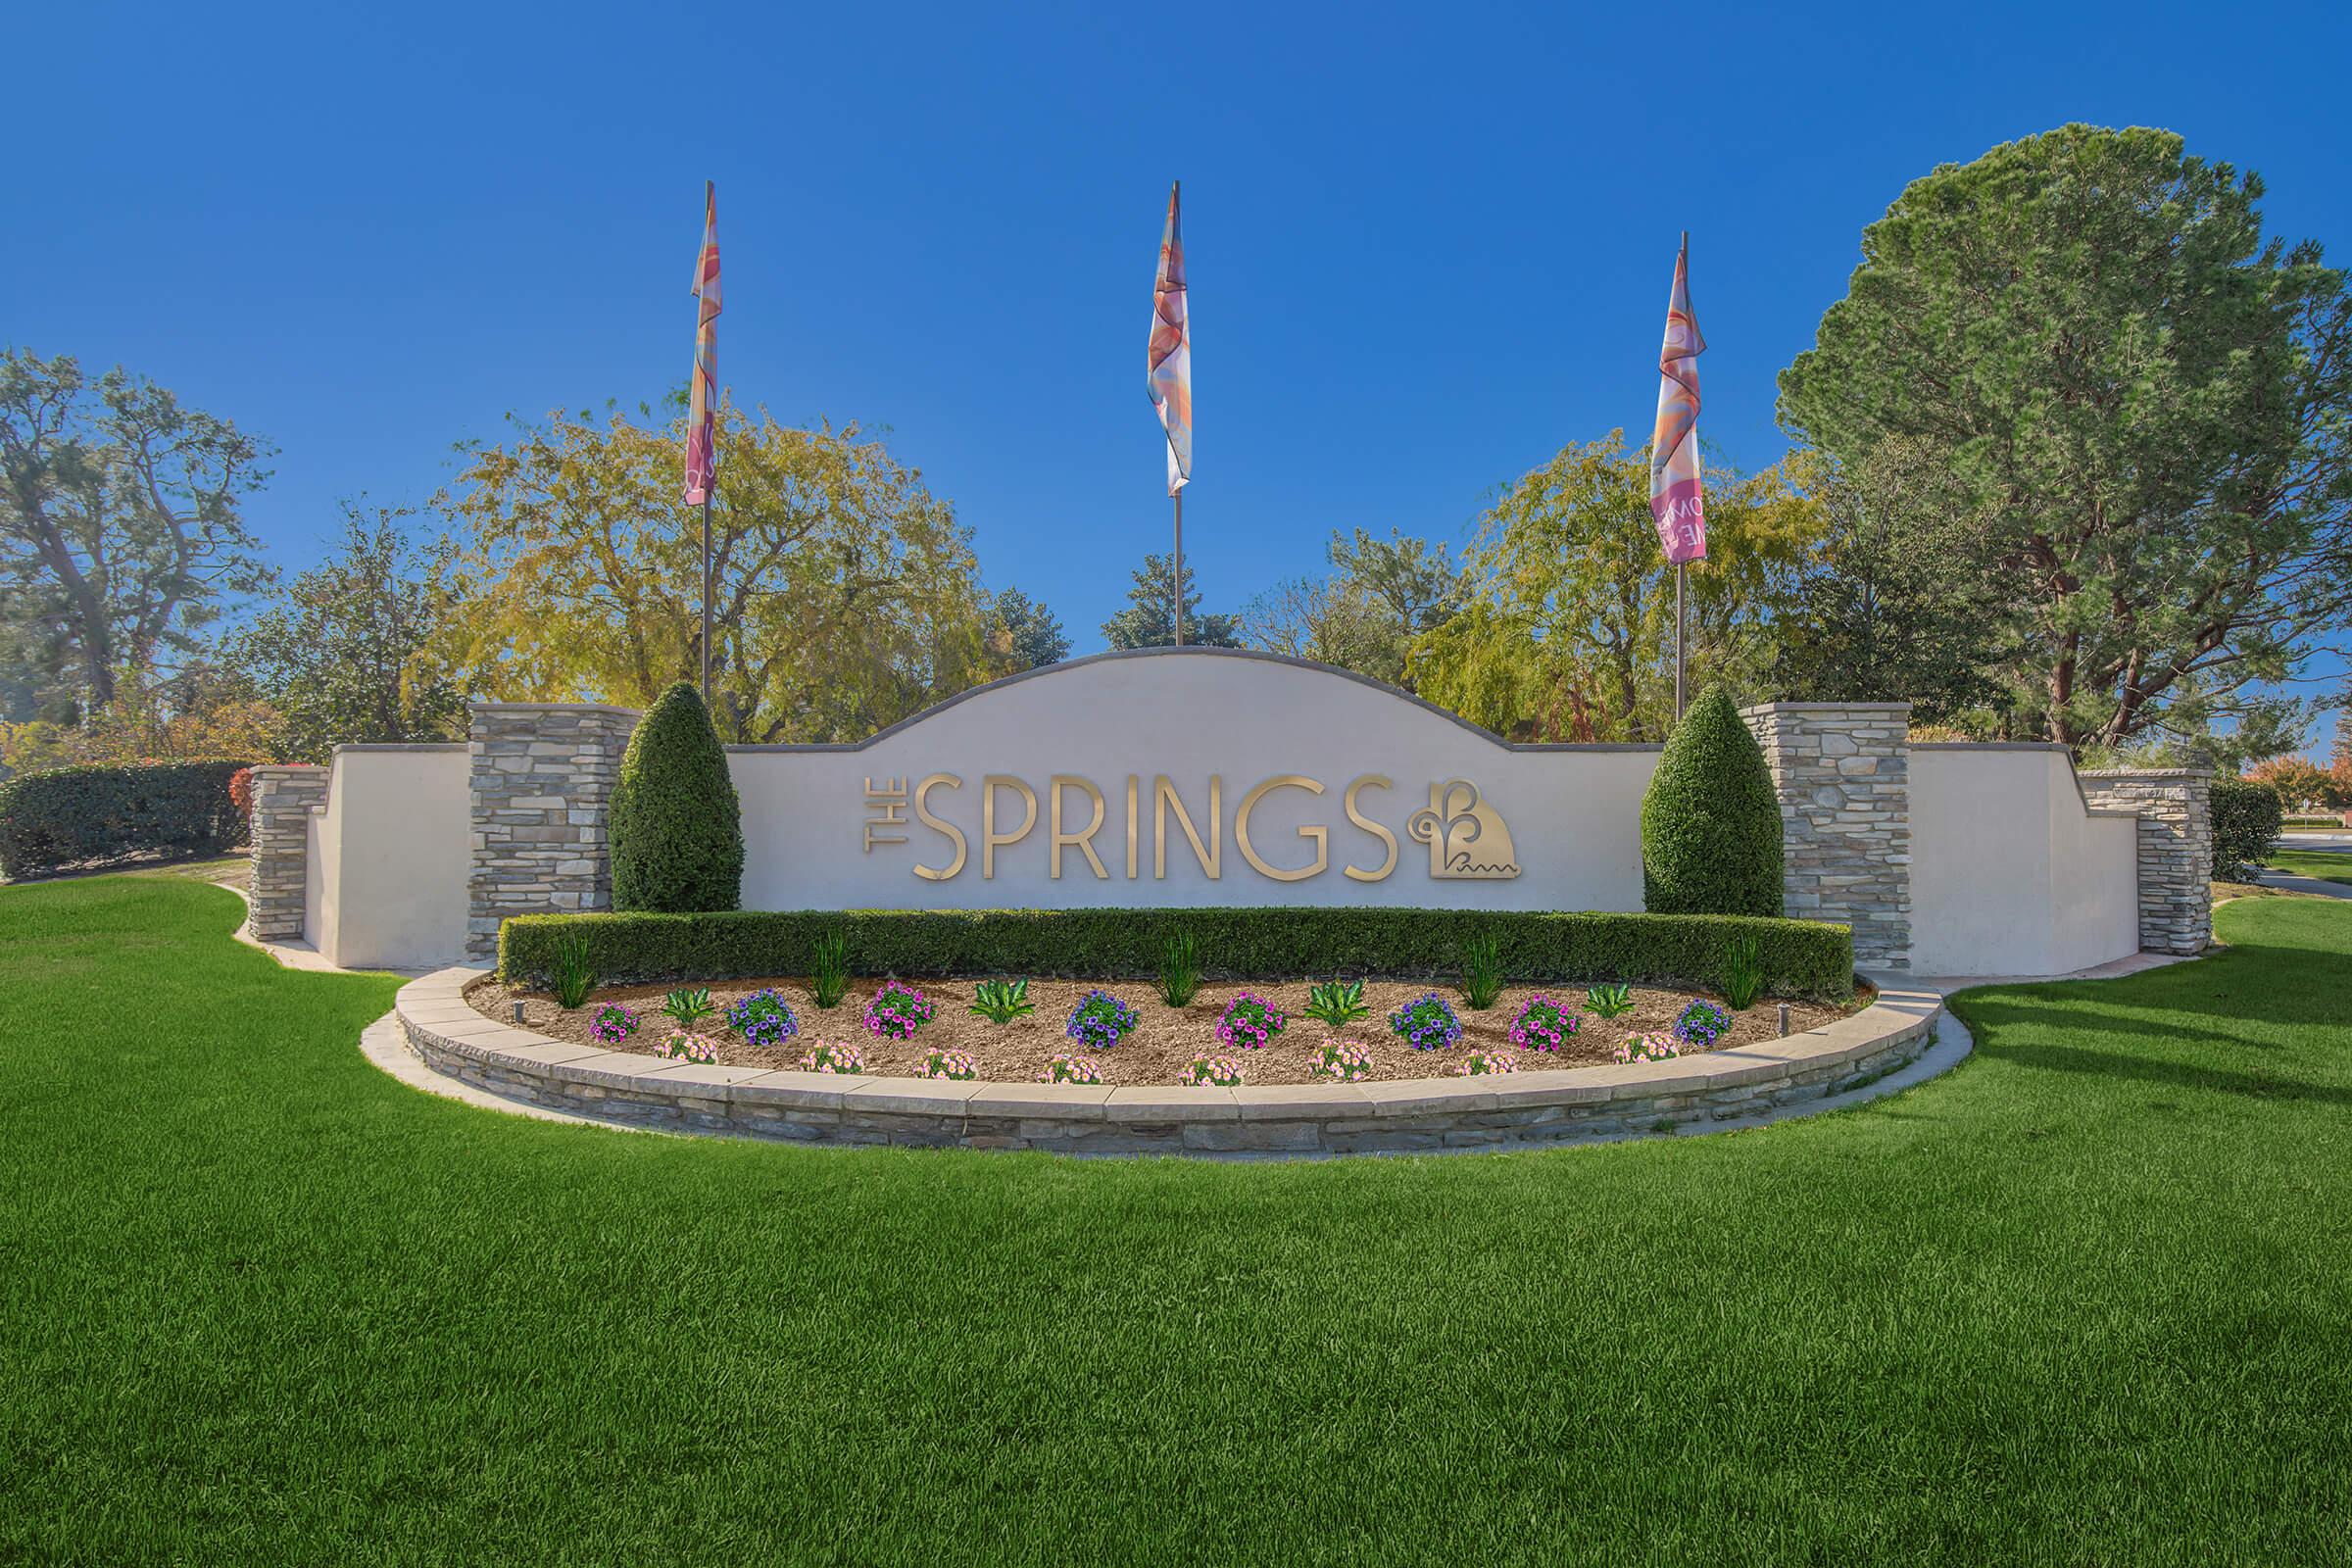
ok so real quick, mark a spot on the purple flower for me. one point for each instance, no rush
(1249, 1022)
(1100, 1020)
(1426, 1023)
(1544, 1025)
(897, 1011)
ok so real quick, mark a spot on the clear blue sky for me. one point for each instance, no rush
(1427, 247)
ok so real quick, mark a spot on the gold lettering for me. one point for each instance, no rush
(1373, 781)
(1317, 834)
(1132, 835)
(1211, 855)
(1053, 791)
(990, 838)
(955, 834)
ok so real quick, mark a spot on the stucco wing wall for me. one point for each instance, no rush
(396, 848)
(1572, 816)
(2094, 890)
(2010, 873)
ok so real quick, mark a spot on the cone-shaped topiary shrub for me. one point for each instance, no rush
(677, 828)
(1710, 822)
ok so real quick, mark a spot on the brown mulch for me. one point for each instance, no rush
(1161, 1044)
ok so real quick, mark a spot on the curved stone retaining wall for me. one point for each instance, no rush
(1516, 1110)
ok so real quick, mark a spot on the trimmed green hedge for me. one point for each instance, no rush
(1801, 957)
(71, 817)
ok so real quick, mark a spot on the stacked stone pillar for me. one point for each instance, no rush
(1843, 771)
(543, 777)
(284, 799)
(2176, 849)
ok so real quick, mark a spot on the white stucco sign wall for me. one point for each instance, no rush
(1215, 777)
(1198, 777)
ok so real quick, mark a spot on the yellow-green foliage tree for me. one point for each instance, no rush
(847, 595)
(1568, 633)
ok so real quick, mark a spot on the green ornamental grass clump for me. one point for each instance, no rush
(677, 827)
(1002, 1001)
(1337, 1004)
(1711, 822)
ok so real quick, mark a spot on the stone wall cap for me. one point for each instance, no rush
(556, 708)
(1826, 707)
(2147, 772)
(1082, 1101)
(1178, 1102)
(912, 1097)
(400, 745)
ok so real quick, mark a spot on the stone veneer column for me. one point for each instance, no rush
(1844, 773)
(2176, 849)
(284, 799)
(543, 777)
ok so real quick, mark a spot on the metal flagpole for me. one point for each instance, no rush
(1180, 567)
(1680, 570)
(707, 598)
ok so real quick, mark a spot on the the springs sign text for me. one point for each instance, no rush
(1085, 835)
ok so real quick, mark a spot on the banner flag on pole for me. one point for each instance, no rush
(1171, 353)
(1676, 503)
(701, 413)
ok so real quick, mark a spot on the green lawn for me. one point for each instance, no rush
(2089, 1299)
(2313, 863)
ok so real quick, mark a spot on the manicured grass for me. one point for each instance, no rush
(2088, 1298)
(2313, 863)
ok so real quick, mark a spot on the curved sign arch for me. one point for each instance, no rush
(1190, 776)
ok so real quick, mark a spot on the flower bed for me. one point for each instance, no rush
(1164, 1042)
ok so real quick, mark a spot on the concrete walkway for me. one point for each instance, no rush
(1945, 985)
(2314, 844)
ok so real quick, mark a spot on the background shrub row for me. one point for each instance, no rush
(1802, 958)
(73, 817)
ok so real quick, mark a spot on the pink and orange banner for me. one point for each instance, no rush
(1171, 351)
(701, 413)
(1677, 502)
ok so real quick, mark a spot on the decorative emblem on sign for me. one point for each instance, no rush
(1467, 838)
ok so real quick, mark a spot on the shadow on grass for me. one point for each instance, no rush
(2174, 1074)
(2249, 1000)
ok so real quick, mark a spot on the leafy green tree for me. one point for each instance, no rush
(2139, 400)
(677, 825)
(120, 533)
(1150, 618)
(1381, 595)
(1028, 635)
(1710, 819)
(342, 654)
(1568, 632)
(846, 594)
(1887, 609)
